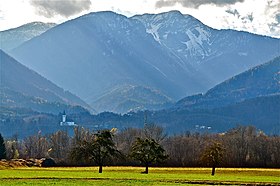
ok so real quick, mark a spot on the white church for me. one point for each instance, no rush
(64, 122)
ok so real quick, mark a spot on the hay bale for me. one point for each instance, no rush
(18, 163)
(48, 162)
(4, 163)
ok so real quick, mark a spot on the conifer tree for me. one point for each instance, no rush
(2, 148)
(99, 148)
(148, 151)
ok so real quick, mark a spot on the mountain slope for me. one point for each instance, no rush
(22, 87)
(217, 54)
(132, 98)
(12, 38)
(173, 53)
(262, 80)
(97, 52)
(262, 112)
(183, 35)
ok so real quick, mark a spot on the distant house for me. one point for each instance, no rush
(64, 121)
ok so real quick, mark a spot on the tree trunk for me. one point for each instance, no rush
(213, 170)
(100, 168)
(147, 169)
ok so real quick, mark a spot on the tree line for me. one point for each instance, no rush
(243, 146)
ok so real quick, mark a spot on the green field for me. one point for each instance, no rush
(133, 176)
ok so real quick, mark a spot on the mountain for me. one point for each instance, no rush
(23, 122)
(98, 52)
(261, 112)
(131, 99)
(216, 54)
(22, 87)
(250, 98)
(171, 53)
(262, 80)
(14, 37)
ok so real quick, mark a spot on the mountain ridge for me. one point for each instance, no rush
(18, 83)
(130, 98)
(262, 80)
(260, 110)
(14, 37)
(97, 52)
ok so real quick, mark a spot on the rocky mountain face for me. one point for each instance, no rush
(14, 37)
(216, 54)
(184, 36)
(173, 54)
(22, 87)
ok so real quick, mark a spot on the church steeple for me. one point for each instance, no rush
(64, 121)
(63, 117)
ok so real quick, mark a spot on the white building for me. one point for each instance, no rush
(64, 122)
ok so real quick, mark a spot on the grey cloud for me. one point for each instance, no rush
(163, 3)
(250, 17)
(1, 15)
(273, 28)
(233, 12)
(277, 17)
(272, 6)
(247, 18)
(194, 3)
(66, 8)
(273, 9)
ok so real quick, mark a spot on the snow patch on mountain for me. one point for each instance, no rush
(183, 36)
(154, 31)
(195, 46)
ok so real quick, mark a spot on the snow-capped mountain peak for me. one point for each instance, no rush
(170, 52)
(182, 35)
(14, 37)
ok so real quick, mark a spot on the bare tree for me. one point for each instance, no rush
(213, 156)
(36, 146)
(153, 131)
(59, 143)
(124, 139)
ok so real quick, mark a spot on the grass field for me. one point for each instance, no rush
(132, 176)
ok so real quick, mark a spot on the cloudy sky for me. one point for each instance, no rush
(257, 16)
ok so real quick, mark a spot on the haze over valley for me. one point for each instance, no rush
(109, 70)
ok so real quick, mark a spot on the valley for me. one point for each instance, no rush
(106, 70)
